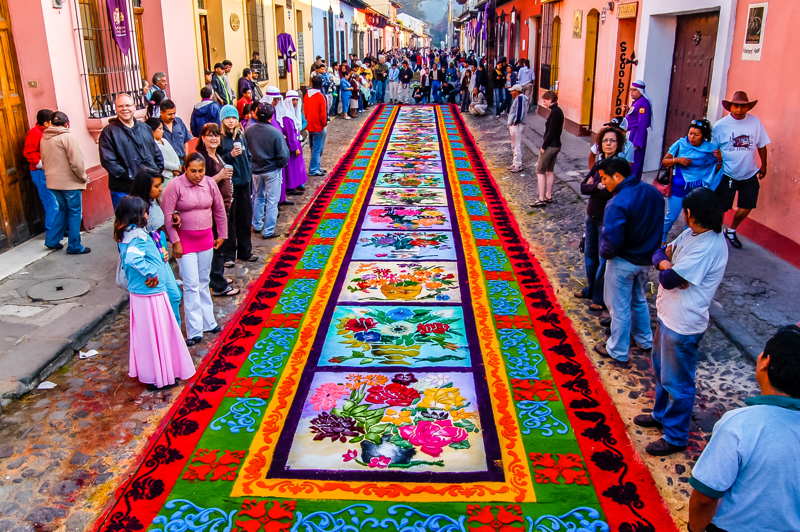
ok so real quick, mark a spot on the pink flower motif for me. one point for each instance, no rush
(351, 454)
(406, 212)
(381, 219)
(380, 254)
(381, 462)
(433, 436)
(326, 396)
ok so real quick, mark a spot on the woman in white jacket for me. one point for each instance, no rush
(172, 163)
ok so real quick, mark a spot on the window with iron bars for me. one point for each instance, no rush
(106, 72)
(551, 39)
(256, 36)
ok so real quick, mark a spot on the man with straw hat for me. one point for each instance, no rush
(740, 136)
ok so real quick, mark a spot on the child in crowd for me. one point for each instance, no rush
(158, 354)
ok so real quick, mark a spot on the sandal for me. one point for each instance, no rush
(539, 204)
(230, 291)
(732, 239)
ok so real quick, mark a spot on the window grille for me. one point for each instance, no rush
(256, 36)
(105, 71)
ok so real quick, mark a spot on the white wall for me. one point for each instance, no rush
(656, 42)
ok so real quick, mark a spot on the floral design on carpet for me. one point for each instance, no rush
(408, 196)
(389, 421)
(407, 218)
(397, 281)
(403, 246)
(396, 336)
(409, 180)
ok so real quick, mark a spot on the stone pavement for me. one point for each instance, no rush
(63, 450)
(750, 299)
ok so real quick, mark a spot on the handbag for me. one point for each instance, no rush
(663, 180)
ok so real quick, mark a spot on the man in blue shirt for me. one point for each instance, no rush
(175, 131)
(632, 225)
(748, 477)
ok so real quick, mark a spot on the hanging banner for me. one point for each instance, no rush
(118, 21)
(754, 33)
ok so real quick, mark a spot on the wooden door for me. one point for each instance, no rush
(204, 46)
(589, 66)
(19, 204)
(692, 62)
(138, 25)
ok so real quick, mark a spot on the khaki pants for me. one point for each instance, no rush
(394, 91)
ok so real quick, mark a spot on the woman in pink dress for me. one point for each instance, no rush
(158, 354)
(291, 114)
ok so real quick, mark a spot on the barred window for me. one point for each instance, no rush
(106, 72)
(256, 36)
(551, 43)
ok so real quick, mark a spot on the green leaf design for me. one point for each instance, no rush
(460, 445)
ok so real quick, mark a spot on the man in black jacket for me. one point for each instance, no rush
(126, 145)
(406, 75)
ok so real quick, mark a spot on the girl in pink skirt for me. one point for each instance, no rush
(158, 353)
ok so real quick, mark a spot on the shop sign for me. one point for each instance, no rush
(622, 72)
(627, 10)
(754, 33)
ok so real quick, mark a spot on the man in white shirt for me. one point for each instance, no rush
(516, 125)
(740, 137)
(690, 270)
(525, 77)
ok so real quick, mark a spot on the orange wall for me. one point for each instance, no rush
(571, 62)
(776, 85)
(525, 9)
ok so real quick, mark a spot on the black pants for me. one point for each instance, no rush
(238, 244)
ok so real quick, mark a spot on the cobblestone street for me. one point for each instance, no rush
(724, 374)
(64, 450)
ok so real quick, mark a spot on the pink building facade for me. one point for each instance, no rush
(67, 60)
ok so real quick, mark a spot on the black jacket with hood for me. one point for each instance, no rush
(123, 150)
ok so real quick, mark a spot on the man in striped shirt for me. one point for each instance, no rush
(516, 125)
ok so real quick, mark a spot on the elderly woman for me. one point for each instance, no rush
(693, 162)
(193, 208)
(291, 117)
(221, 173)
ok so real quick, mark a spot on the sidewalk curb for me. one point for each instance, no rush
(61, 352)
(735, 332)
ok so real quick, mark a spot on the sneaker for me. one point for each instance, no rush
(600, 349)
(647, 421)
(194, 341)
(230, 264)
(287, 202)
(662, 447)
(733, 240)
(54, 248)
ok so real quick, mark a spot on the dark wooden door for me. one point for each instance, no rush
(19, 204)
(692, 62)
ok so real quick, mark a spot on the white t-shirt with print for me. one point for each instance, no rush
(739, 141)
(701, 260)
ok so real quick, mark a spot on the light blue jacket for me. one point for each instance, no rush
(141, 260)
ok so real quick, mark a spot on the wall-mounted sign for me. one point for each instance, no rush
(628, 10)
(235, 22)
(754, 33)
(577, 24)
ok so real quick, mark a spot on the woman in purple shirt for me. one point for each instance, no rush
(193, 207)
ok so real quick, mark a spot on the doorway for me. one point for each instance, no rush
(692, 63)
(19, 204)
(589, 67)
(204, 42)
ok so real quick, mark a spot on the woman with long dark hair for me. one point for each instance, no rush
(611, 142)
(158, 356)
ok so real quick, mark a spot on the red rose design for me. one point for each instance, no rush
(436, 328)
(360, 324)
(392, 394)
(433, 436)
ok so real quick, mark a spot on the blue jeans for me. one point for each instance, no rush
(345, 96)
(333, 111)
(116, 197)
(377, 91)
(627, 305)
(594, 264)
(317, 142)
(499, 100)
(49, 204)
(266, 193)
(673, 210)
(435, 88)
(674, 362)
(68, 217)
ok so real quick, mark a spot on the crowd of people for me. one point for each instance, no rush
(197, 194)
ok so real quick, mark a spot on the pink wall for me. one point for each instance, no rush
(53, 62)
(571, 63)
(779, 198)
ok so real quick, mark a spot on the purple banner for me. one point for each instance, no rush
(118, 21)
(286, 48)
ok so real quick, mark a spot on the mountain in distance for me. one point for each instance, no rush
(434, 12)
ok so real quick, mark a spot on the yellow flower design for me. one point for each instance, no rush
(458, 415)
(355, 380)
(442, 398)
(402, 417)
